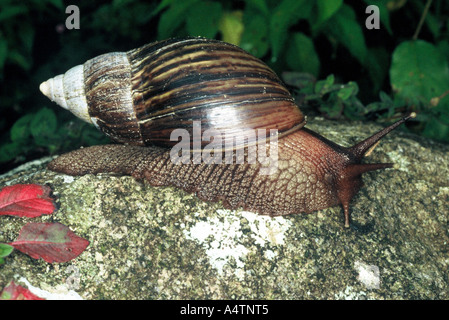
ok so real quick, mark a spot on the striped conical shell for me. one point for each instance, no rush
(139, 97)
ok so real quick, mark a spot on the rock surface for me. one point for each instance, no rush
(162, 243)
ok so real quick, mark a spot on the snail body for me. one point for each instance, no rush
(140, 97)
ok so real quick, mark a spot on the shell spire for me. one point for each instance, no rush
(67, 90)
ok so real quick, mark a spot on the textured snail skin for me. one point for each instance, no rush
(313, 173)
(140, 96)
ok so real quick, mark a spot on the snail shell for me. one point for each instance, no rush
(139, 97)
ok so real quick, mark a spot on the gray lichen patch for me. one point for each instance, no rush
(162, 243)
(225, 238)
(368, 275)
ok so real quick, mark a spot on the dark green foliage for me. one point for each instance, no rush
(41, 133)
(340, 67)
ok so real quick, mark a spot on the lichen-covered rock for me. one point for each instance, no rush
(162, 243)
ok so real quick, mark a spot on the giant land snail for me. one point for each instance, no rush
(195, 86)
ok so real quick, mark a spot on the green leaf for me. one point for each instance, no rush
(327, 8)
(443, 47)
(164, 4)
(173, 17)
(231, 27)
(301, 54)
(348, 90)
(260, 5)
(20, 131)
(385, 98)
(287, 13)
(303, 81)
(254, 36)
(19, 58)
(26, 36)
(10, 11)
(344, 27)
(202, 19)
(43, 126)
(9, 151)
(436, 129)
(378, 67)
(419, 72)
(5, 250)
(323, 86)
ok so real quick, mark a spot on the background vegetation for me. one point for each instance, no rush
(336, 66)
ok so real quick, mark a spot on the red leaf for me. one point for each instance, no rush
(26, 200)
(53, 242)
(16, 292)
